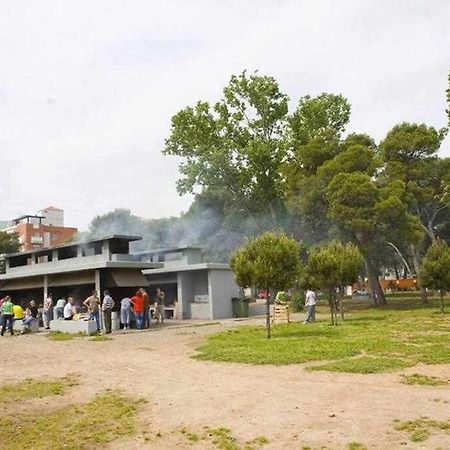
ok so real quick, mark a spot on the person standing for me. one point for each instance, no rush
(7, 315)
(310, 305)
(92, 304)
(125, 310)
(107, 306)
(160, 302)
(68, 309)
(60, 308)
(47, 311)
(146, 321)
(138, 308)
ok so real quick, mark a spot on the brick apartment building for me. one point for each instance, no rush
(45, 229)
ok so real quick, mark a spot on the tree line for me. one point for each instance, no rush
(263, 167)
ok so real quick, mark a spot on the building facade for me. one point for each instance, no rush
(45, 229)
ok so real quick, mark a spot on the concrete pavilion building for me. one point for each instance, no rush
(75, 269)
(197, 289)
(194, 289)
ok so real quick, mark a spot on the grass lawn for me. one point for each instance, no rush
(107, 417)
(370, 340)
(36, 388)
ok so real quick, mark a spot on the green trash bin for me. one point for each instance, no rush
(240, 307)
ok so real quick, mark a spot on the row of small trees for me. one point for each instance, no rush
(274, 261)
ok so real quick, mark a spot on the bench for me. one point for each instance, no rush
(74, 326)
(33, 326)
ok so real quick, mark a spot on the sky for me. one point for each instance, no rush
(88, 87)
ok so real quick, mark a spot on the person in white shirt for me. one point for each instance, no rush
(68, 309)
(310, 305)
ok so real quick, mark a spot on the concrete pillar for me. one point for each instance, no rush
(79, 251)
(106, 251)
(55, 255)
(45, 286)
(98, 288)
(181, 305)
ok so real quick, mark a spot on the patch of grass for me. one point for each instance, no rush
(356, 446)
(370, 340)
(424, 380)
(60, 336)
(222, 438)
(100, 338)
(107, 417)
(363, 365)
(420, 429)
(31, 388)
(258, 442)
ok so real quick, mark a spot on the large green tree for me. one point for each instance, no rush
(269, 261)
(409, 154)
(235, 148)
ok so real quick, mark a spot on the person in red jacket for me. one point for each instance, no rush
(138, 308)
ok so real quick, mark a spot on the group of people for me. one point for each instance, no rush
(11, 312)
(65, 309)
(140, 305)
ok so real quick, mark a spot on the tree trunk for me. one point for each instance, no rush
(268, 314)
(441, 294)
(423, 291)
(331, 304)
(374, 284)
(341, 302)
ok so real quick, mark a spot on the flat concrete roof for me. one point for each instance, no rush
(187, 267)
(47, 269)
(122, 237)
(166, 250)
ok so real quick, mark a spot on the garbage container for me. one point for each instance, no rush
(240, 307)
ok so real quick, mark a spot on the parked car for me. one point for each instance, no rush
(360, 293)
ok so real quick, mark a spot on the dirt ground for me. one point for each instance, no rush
(291, 407)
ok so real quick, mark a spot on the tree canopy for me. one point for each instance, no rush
(269, 261)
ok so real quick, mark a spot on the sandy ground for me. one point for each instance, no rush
(291, 407)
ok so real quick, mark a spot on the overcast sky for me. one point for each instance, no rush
(88, 88)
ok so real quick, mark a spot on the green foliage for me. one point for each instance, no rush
(333, 265)
(271, 260)
(435, 270)
(108, 417)
(297, 302)
(60, 336)
(324, 116)
(31, 388)
(364, 365)
(419, 430)
(8, 244)
(424, 380)
(235, 148)
(410, 142)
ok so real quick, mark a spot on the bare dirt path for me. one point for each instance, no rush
(291, 407)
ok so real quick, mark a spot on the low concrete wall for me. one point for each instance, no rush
(33, 326)
(74, 326)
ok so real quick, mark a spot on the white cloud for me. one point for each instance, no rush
(87, 88)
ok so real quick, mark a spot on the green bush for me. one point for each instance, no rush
(297, 302)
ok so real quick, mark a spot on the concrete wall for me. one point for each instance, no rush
(186, 289)
(222, 288)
